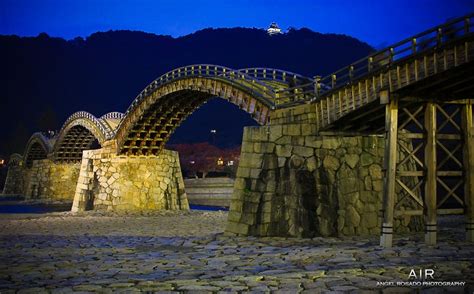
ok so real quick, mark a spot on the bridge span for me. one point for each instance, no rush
(384, 144)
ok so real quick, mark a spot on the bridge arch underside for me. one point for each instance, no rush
(35, 151)
(155, 125)
(70, 146)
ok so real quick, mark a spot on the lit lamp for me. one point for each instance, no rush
(220, 161)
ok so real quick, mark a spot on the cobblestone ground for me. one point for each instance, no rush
(187, 252)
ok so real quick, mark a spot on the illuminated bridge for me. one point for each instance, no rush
(419, 90)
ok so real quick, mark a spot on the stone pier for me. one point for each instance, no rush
(14, 183)
(50, 180)
(293, 181)
(123, 183)
(45, 179)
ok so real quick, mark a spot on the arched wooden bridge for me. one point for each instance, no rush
(421, 89)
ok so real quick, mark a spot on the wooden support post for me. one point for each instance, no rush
(468, 154)
(430, 175)
(390, 165)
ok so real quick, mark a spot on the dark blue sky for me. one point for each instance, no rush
(376, 22)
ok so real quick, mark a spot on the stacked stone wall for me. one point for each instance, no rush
(291, 182)
(122, 183)
(14, 182)
(49, 180)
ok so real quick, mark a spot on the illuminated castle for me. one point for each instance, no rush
(273, 29)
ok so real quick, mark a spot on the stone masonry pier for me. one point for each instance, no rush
(129, 183)
(294, 181)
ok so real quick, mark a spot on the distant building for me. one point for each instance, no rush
(274, 29)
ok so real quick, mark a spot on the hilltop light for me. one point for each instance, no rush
(274, 29)
(220, 161)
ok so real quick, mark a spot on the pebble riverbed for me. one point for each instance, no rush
(188, 252)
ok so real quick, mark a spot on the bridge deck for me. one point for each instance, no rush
(442, 75)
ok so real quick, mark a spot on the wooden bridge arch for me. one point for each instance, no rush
(78, 133)
(37, 148)
(15, 160)
(160, 108)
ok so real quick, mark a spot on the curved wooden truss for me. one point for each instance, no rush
(15, 160)
(160, 108)
(79, 133)
(112, 115)
(38, 147)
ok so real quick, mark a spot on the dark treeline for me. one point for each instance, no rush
(44, 79)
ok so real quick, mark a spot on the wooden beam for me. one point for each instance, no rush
(390, 165)
(430, 176)
(468, 158)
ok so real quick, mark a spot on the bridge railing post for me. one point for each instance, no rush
(390, 167)
(430, 209)
(413, 46)
(317, 85)
(370, 63)
(468, 158)
(439, 36)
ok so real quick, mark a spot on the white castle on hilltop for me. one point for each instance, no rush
(274, 29)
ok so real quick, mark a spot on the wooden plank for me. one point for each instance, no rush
(411, 135)
(410, 192)
(449, 173)
(447, 211)
(390, 165)
(449, 137)
(430, 176)
(409, 173)
(468, 160)
(408, 212)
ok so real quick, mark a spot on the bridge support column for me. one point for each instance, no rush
(468, 153)
(390, 166)
(430, 210)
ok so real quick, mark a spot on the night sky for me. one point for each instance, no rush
(375, 22)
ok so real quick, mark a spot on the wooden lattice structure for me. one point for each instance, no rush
(80, 132)
(161, 107)
(38, 147)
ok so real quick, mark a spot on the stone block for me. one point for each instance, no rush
(237, 228)
(313, 141)
(284, 140)
(351, 160)
(292, 129)
(275, 132)
(352, 217)
(369, 220)
(331, 142)
(375, 171)
(308, 129)
(311, 163)
(255, 173)
(331, 162)
(283, 150)
(303, 151)
(366, 159)
(348, 185)
(377, 185)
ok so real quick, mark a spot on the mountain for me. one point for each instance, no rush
(44, 79)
